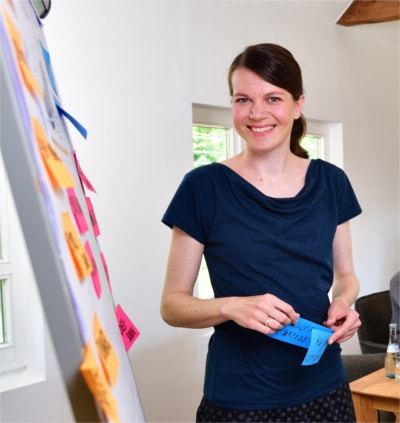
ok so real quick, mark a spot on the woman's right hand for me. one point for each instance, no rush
(264, 313)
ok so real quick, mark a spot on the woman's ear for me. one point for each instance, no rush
(299, 106)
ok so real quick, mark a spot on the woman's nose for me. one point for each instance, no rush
(258, 111)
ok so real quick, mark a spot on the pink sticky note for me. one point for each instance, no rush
(92, 215)
(77, 211)
(128, 330)
(103, 260)
(95, 273)
(83, 177)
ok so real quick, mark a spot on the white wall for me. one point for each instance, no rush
(129, 71)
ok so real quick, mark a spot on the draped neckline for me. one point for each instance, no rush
(309, 180)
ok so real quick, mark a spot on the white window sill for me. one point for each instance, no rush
(18, 378)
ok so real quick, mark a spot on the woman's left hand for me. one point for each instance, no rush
(343, 320)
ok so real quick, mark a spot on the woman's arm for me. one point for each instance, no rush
(180, 308)
(341, 318)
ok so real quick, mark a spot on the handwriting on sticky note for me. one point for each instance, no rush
(26, 73)
(77, 211)
(95, 273)
(129, 332)
(57, 171)
(318, 344)
(80, 257)
(92, 216)
(306, 334)
(98, 385)
(108, 357)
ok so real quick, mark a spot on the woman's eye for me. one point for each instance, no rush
(241, 100)
(274, 99)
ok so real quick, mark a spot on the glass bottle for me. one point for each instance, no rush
(392, 348)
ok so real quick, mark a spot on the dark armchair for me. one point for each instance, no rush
(375, 312)
(359, 365)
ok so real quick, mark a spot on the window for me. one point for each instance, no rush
(314, 145)
(21, 320)
(12, 348)
(3, 332)
(214, 139)
(210, 144)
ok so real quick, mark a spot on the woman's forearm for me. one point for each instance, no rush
(183, 310)
(346, 289)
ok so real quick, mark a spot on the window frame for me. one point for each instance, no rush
(13, 349)
(22, 356)
(220, 117)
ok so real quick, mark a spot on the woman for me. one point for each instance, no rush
(274, 229)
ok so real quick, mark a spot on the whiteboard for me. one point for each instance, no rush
(52, 196)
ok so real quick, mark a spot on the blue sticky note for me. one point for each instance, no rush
(49, 69)
(77, 125)
(318, 344)
(306, 334)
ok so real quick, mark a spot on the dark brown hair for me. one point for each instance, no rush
(277, 66)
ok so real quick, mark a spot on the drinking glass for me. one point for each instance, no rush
(397, 362)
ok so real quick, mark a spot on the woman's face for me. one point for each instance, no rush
(263, 113)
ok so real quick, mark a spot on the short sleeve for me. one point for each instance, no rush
(348, 205)
(191, 206)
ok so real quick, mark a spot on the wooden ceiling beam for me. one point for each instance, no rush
(370, 11)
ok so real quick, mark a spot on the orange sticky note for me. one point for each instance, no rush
(81, 259)
(108, 357)
(95, 273)
(26, 73)
(98, 385)
(56, 169)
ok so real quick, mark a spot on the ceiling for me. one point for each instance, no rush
(370, 11)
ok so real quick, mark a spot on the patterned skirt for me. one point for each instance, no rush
(336, 406)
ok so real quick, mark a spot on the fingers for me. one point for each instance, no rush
(284, 318)
(267, 321)
(274, 314)
(269, 326)
(265, 313)
(345, 328)
(274, 324)
(279, 310)
(340, 338)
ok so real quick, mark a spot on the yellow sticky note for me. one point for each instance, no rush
(26, 73)
(108, 357)
(58, 172)
(98, 385)
(81, 259)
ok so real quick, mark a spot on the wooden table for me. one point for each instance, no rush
(375, 392)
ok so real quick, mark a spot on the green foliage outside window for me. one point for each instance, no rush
(209, 145)
(313, 145)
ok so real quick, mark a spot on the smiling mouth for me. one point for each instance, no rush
(263, 129)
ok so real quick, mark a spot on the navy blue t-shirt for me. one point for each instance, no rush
(255, 244)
